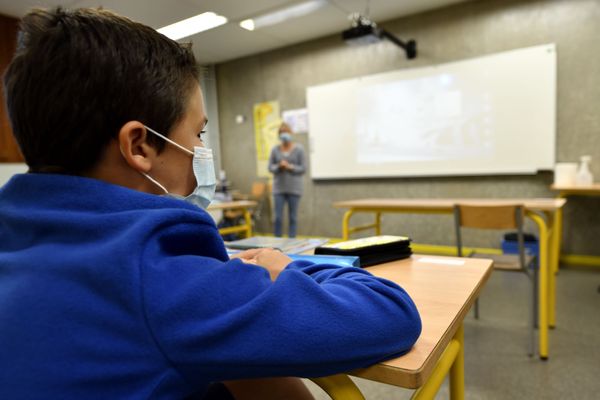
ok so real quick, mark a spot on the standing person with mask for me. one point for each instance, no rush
(114, 280)
(287, 165)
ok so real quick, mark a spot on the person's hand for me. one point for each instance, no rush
(284, 165)
(272, 260)
(246, 256)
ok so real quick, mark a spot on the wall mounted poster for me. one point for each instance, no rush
(266, 129)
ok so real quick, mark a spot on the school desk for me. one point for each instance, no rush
(543, 212)
(443, 289)
(570, 190)
(243, 206)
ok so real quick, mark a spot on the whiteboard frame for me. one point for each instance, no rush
(329, 145)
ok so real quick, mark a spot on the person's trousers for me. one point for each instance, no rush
(292, 201)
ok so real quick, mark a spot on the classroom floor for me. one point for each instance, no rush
(496, 361)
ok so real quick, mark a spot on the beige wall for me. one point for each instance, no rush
(466, 30)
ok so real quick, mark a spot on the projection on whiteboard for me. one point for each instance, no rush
(490, 115)
(403, 129)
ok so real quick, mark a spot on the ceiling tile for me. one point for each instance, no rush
(230, 41)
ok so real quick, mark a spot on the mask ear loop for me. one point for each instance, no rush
(146, 175)
(151, 179)
(170, 141)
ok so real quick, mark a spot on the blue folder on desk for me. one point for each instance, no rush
(342, 261)
(286, 245)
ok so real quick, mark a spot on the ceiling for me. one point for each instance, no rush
(229, 41)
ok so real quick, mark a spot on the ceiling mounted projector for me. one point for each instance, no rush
(364, 31)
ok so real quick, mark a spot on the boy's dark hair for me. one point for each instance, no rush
(78, 76)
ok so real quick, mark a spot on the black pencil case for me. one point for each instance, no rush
(370, 250)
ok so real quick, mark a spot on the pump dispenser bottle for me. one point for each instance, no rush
(584, 176)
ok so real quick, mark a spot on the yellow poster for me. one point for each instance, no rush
(266, 129)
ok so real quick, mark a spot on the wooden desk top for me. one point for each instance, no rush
(446, 205)
(443, 288)
(233, 204)
(593, 189)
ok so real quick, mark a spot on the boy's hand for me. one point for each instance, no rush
(246, 256)
(273, 260)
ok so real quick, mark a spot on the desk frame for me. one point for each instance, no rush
(564, 192)
(451, 363)
(243, 205)
(439, 352)
(549, 223)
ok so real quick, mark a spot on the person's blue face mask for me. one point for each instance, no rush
(285, 137)
(204, 171)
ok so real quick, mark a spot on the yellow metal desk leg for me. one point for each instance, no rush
(445, 365)
(543, 283)
(553, 226)
(457, 372)
(339, 387)
(558, 222)
(378, 223)
(346, 224)
(248, 219)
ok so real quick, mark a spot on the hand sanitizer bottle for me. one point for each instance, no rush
(584, 177)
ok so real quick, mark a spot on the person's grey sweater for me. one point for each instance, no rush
(286, 181)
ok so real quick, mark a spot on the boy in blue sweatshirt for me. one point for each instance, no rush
(114, 281)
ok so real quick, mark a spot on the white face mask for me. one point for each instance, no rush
(204, 171)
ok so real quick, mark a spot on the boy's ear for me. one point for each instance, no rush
(134, 147)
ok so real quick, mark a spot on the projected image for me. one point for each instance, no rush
(426, 119)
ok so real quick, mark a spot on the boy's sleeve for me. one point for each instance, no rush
(218, 320)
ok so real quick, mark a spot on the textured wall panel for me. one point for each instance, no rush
(453, 33)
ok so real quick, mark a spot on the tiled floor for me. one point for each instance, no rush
(496, 361)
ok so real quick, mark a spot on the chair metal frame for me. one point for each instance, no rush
(496, 218)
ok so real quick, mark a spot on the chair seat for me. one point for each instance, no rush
(506, 262)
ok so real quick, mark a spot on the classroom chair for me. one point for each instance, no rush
(259, 192)
(500, 217)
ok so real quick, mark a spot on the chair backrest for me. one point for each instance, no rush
(489, 217)
(506, 216)
(259, 190)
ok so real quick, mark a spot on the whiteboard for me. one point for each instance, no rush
(488, 115)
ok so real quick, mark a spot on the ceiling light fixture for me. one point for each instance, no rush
(247, 24)
(193, 25)
(282, 15)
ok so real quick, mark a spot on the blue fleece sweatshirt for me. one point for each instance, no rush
(109, 293)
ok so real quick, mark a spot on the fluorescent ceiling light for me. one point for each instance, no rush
(247, 24)
(193, 25)
(282, 15)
